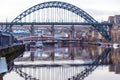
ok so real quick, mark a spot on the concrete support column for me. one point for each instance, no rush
(31, 30)
(72, 30)
(52, 30)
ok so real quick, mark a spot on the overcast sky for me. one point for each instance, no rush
(99, 9)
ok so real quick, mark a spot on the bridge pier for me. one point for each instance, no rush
(31, 30)
(52, 30)
(71, 35)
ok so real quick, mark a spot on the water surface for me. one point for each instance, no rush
(67, 63)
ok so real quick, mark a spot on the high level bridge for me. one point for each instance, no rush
(56, 17)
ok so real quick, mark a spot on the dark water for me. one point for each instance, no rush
(68, 62)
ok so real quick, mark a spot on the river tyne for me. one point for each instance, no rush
(68, 62)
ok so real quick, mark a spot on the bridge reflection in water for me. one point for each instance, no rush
(61, 63)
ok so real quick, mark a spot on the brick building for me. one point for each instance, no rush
(115, 32)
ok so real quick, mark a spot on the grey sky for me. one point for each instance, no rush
(99, 9)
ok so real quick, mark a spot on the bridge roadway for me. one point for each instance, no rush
(54, 23)
(46, 25)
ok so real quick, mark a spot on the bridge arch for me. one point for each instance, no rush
(57, 4)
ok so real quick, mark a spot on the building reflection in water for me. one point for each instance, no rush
(115, 59)
(66, 62)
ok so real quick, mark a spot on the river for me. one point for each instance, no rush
(68, 62)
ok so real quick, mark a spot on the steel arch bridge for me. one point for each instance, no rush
(56, 4)
(102, 28)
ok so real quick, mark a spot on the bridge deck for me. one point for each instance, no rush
(53, 23)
